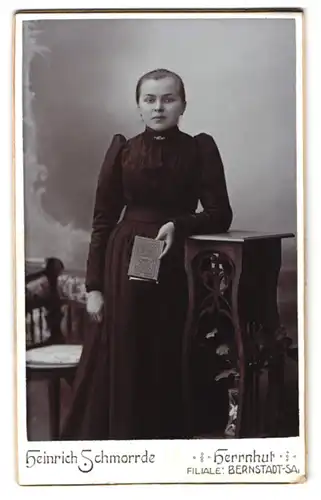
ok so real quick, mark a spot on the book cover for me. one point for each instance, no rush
(145, 259)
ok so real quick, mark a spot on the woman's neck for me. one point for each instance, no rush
(162, 134)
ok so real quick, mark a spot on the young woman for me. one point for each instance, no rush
(128, 385)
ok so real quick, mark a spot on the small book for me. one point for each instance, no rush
(145, 259)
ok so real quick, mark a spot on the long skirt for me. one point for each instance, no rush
(129, 381)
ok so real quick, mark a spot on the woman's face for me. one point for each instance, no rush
(160, 103)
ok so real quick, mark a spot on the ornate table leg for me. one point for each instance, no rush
(270, 342)
(235, 423)
(237, 281)
(217, 270)
(265, 339)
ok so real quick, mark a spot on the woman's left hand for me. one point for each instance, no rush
(166, 233)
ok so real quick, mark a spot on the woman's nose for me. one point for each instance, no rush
(159, 105)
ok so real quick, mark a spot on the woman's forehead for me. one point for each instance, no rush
(167, 85)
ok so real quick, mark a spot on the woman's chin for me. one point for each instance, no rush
(159, 126)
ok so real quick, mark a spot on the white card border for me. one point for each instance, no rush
(19, 210)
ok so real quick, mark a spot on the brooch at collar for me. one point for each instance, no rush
(159, 137)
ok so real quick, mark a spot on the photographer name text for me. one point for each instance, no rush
(86, 459)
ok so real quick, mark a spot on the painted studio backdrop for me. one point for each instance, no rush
(79, 90)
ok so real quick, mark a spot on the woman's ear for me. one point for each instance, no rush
(183, 109)
(139, 112)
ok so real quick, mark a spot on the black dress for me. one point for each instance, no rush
(128, 385)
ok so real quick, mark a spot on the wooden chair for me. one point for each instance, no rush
(49, 356)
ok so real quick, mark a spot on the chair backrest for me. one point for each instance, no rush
(55, 304)
(72, 291)
(43, 305)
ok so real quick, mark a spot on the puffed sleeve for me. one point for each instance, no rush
(109, 202)
(217, 214)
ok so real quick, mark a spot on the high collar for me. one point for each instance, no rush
(161, 136)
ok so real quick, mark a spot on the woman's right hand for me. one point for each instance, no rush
(95, 305)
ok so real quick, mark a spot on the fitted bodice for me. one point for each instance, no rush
(169, 172)
(161, 170)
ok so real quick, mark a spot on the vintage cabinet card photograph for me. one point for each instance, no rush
(159, 247)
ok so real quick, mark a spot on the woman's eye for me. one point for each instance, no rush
(151, 100)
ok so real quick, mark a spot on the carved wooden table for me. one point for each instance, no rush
(232, 279)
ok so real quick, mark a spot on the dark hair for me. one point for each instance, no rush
(158, 74)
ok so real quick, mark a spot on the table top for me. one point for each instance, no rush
(240, 236)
